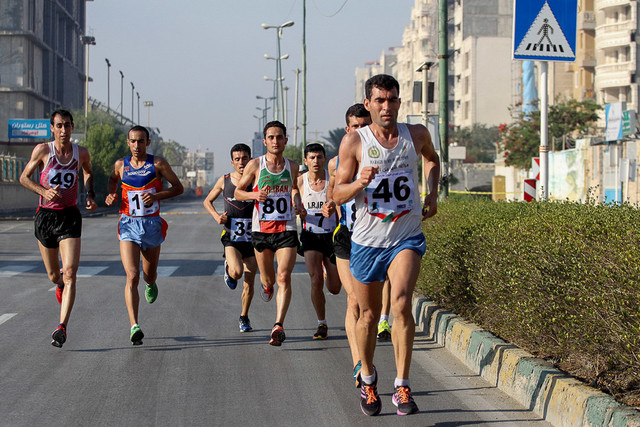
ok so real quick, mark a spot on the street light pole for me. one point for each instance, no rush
(295, 110)
(132, 97)
(148, 104)
(278, 29)
(278, 96)
(138, 95)
(304, 73)
(276, 111)
(108, 84)
(121, 96)
(87, 41)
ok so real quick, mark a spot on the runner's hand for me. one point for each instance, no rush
(52, 194)
(111, 199)
(430, 206)
(91, 204)
(328, 209)
(222, 219)
(367, 174)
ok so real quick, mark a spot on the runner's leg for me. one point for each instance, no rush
(234, 262)
(353, 311)
(313, 261)
(369, 297)
(403, 272)
(70, 255)
(130, 255)
(286, 258)
(250, 268)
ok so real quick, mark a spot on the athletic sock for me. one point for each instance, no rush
(278, 324)
(322, 322)
(368, 379)
(383, 317)
(401, 382)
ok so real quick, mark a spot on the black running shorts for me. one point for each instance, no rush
(342, 242)
(54, 225)
(245, 248)
(317, 242)
(274, 241)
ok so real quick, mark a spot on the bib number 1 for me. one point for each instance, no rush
(137, 206)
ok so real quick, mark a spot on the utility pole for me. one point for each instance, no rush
(443, 91)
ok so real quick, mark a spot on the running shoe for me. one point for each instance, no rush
(370, 402)
(245, 324)
(384, 331)
(151, 293)
(59, 336)
(60, 289)
(356, 373)
(136, 335)
(231, 283)
(277, 336)
(404, 401)
(321, 333)
(267, 293)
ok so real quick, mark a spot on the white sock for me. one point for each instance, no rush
(401, 382)
(322, 322)
(134, 326)
(368, 379)
(383, 317)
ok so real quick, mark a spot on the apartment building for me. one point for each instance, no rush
(42, 65)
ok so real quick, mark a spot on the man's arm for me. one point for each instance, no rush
(248, 177)
(431, 168)
(87, 171)
(331, 205)
(164, 170)
(38, 156)
(112, 184)
(213, 195)
(298, 207)
(345, 187)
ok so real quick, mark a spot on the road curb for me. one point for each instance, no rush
(552, 394)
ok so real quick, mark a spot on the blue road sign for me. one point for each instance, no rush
(29, 128)
(545, 30)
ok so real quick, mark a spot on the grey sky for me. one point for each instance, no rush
(202, 62)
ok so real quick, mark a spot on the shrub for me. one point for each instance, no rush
(560, 279)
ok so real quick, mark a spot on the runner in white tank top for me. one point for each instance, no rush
(317, 236)
(387, 239)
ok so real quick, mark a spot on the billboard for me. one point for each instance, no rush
(29, 128)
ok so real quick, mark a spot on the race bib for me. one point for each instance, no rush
(137, 206)
(350, 214)
(64, 178)
(277, 207)
(240, 229)
(317, 223)
(390, 193)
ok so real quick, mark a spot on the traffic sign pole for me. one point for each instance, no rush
(544, 131)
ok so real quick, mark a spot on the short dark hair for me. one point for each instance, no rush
(274, 124)
(383, 81)
(138, 128)
(62, 113)
(314, 147)
(356, 110)
(240, 147)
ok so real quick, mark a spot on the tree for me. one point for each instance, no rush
(480, 141)
(173, 152)
(520, 140)
(332, 144)
(106, 145)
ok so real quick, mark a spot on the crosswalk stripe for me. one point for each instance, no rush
(89, 271)
(6, 316)
(166, 271)
(14, 270)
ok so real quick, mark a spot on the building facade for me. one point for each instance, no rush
(41, 58)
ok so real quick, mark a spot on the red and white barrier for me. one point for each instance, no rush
(530, 190)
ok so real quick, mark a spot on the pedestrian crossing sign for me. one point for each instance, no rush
(545, 30)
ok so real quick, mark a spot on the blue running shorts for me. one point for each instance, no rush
(145, 231)
(369, 264)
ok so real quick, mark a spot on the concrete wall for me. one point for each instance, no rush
(14, 196)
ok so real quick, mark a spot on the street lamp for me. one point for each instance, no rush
(108, 82)
(148, 104)
(278, 70)
(138, 95)
(87, 41)
(264, 110)
(121, 95)
(278, 29)
(276, 111)
(132, 97)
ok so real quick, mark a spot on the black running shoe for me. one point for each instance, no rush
(404, 401)
(59, 336)
(322, 332)
(370, 402)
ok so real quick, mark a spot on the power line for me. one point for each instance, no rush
(334, 14)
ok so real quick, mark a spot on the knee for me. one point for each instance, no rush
(54, 276)
(68, 272)
(284, 279)
(133, 278)
(352, 306)
(235, 272)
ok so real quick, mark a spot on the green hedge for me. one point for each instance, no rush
(560, 279)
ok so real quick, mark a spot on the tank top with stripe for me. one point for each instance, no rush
(313, 201)
(136, 182)
(276, 214)
(64, 176)
(389, 209)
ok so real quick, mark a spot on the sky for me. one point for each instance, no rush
(202, 62)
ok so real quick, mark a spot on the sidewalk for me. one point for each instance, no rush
(552, 394)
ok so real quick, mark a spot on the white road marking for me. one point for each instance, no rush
(167, 270)
(6, 316)
(14, 270)
(89, 271)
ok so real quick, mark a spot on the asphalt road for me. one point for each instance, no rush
(195, 368)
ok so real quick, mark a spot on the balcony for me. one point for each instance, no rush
(586, 21)
(614, 75)
(603, 4)
(614, 35)
(586, 60)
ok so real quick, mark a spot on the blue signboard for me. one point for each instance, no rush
(545, 30)
(29, 128)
